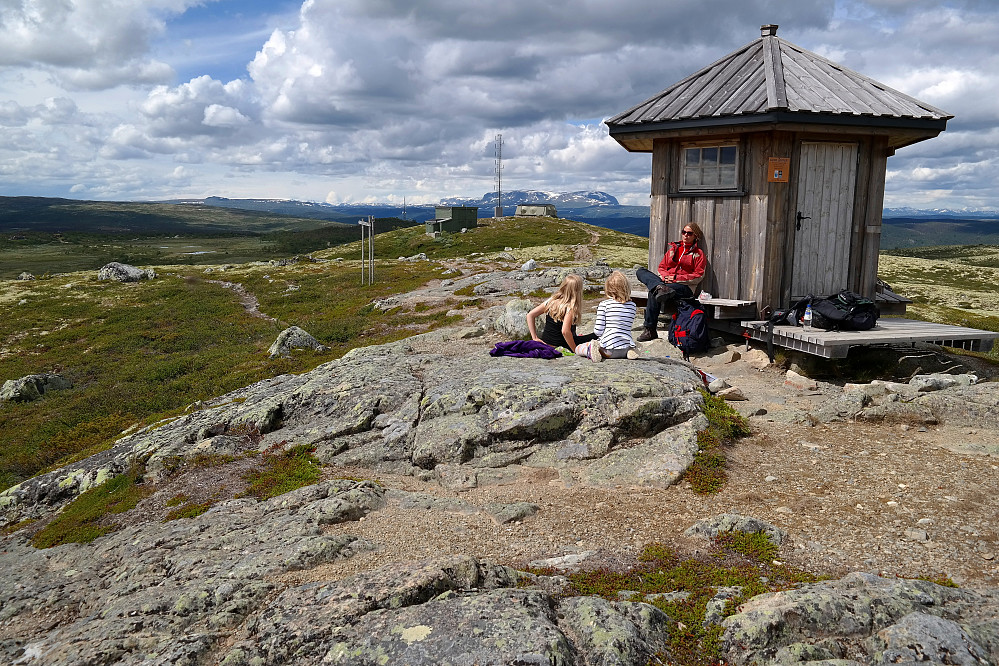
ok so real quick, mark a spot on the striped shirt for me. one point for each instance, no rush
(614, 322)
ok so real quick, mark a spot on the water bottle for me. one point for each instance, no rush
(806, 321)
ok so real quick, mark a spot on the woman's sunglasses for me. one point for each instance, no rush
(687, 233)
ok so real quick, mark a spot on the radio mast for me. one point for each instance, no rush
(499, 176)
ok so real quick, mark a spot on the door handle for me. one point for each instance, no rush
(797, 220)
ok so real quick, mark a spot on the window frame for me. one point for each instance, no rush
(733, 188)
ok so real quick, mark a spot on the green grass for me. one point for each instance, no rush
(706, 474)
(282, 472)
(83, 519)
(140, 352)
(737, 560)
(491, 236)
(188, 510)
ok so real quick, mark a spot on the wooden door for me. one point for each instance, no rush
(827, 177)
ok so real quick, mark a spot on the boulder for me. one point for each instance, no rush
(512, 323)
(32, 387)
(732, 393)
(25, 276)
(294, 338)
(732, 522)
(796, 381)
(881, 620)
(171, 588)
(119, 272)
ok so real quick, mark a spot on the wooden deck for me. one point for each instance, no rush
(836, 344)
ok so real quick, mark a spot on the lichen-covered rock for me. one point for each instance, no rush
(32, 387)
(396, 409)
(456, 611)
(853, 612)
(172, 588)
(919, 637)
(513, 322)
(615, 632)
(956, 400)
(119, 272)
(709, 528)
(939, 381)
(293, 337)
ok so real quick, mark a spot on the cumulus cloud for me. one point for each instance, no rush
(385, 97)
(89, 44)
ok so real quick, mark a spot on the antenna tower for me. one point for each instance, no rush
(499, 176)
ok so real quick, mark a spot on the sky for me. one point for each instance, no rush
(386, 100)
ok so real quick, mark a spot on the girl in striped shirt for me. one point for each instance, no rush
(615, 318)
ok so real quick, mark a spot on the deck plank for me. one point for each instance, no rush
(890, 330)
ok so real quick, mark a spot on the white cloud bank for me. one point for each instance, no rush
(365, 100)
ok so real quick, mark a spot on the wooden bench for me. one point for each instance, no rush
(716, 308)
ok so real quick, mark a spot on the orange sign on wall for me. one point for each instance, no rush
(779, 169)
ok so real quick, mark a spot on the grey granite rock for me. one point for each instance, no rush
(733, 522)
(920, 637)
(175, 588)
(32, 387)
(395, 409)
(293, 337)
(856, 611)
(119, 272)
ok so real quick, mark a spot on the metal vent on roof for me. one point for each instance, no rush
(768, 30)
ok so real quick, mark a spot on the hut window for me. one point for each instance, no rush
(710, 168)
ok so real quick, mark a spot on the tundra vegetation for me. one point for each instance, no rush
(140, 352)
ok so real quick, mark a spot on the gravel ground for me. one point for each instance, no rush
(888, 499)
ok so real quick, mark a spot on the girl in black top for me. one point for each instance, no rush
(562, 313)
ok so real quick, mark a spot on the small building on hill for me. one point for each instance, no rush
(779, 155)
(453, 219)
(536, 210)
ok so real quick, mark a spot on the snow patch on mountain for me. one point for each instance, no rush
(581, 199)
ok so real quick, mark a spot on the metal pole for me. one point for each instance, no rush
(371, 249)
(362, 224)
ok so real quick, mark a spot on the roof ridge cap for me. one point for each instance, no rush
(774, 71)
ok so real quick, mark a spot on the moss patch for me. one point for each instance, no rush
(707, 473)
(87, 516)
(739, 560)
(282, 472)
(188, 510)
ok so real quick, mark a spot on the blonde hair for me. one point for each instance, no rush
(567, 299)
(617, 287)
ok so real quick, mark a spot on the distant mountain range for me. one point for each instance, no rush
(903, 227)
(515, 197)
(940, 213)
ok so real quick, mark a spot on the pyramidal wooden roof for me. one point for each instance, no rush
(772, 80)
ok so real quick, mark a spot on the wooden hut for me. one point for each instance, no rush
(779, 155)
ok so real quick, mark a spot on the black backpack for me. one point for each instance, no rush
(843, 311)
(688, 330)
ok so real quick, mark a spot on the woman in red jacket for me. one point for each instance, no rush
(683, 263)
